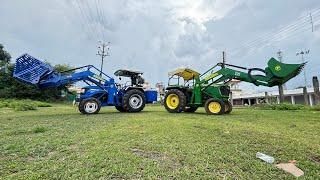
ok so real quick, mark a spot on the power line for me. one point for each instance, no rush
(268, 40)
(98, 10)
(66, 6)
(102, 14)
(93, 18)
(288, 36)
(88, 18)
(293, 25)
(284, 32)
(85, 18)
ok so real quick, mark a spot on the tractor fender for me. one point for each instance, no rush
(180, 88)
(129, 88)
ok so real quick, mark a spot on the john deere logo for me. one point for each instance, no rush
(278, 68)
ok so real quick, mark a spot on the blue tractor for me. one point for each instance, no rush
(101, 89)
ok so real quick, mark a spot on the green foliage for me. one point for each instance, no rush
(12, 88)
(41, 104)
(280, 107)
(39, 130)
(22, 105)
(315, 108)
(4, 56)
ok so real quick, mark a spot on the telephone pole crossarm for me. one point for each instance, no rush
(103, 52)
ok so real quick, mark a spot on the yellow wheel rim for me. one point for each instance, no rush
(214, 107)
(172, 101)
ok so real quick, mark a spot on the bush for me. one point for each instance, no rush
(42, 104)
(39, 130)
(316, 108)
(22, 105)
(281, 107)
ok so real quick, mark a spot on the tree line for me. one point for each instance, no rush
(12, 88)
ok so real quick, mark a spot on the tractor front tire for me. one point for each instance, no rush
(134, 101)
(214, 107)
(120, 109)
(175, 101)
(228, 107)
(191, 109)
(89, 106)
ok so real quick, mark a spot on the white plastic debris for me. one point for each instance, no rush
(265, 158)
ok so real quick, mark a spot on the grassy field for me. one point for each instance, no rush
(58, 142)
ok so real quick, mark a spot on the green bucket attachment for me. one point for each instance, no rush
(278, 73)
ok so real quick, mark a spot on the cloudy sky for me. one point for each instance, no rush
(156, 36)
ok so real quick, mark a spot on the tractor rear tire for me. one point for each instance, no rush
(214, 107)
(134, 101)
(120, 109)
(89, 106)
(228, 107)
(175, 101)
(191, 109)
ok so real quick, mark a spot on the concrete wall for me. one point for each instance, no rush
(294, 99)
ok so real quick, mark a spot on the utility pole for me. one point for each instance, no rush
(103, 51)
(311, 22)
(223, 58)
(316, 89)
(302, 53)
(281, 87)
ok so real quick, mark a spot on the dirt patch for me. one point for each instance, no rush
(315, 158)
(73, 147)
(162, 159)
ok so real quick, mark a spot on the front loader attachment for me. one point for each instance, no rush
(31, 70)
(278, 73)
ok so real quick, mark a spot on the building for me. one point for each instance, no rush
(294, 96)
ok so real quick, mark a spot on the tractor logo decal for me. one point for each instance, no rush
(211, 76)
(277, 68)
(237, 73)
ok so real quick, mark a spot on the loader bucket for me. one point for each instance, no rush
(279, 73)
(30, 70)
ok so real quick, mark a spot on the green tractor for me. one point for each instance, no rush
(211, 89)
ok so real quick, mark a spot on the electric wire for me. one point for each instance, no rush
(280, 34)
(85, 20)
(270, 40)
(88, 18)
(284, 28)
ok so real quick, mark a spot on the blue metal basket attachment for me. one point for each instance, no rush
(30, 69)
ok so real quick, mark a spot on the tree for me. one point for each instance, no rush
(12, 88)
(4, 56)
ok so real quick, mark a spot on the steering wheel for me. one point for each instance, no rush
(118, 85)
(253, 80)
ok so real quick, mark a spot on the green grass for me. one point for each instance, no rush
(59, 143)
(22, 105)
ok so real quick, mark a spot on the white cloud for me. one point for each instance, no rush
(152, 36)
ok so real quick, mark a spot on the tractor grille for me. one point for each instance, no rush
(225, 90)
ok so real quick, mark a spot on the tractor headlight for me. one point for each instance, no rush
(81, 91)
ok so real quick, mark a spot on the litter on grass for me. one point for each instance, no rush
(291, 168)
(265, 158)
